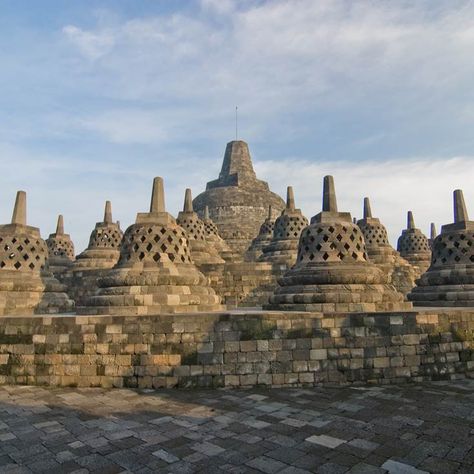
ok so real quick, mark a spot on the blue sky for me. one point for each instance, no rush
(98, 97)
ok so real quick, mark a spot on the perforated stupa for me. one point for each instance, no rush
(264, 237)
(283, 248)
(400, 273)
(26, 284)
(155, 273)
(203, 252)
(332, 270)
(214, 239)
(413, 246)
(238, 201)
(450, 279)
(103, 250)
(60, 249)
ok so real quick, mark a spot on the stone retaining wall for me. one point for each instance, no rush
(236, 349)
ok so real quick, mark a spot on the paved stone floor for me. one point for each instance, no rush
(397, 429)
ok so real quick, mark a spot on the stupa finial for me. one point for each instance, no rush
(329, 195)
(108, 213)
(19, 211)
(206, 213)
(60, 225)
(290, 198)
(188, 201)
(460, 211)
(433, 232)
(410, 220)
(367, 208)
(158, 196)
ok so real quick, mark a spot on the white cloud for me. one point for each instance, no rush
(92, 45)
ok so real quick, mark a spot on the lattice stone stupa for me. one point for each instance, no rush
(155, 273)
(264, 237)
(283, 248)
(238, 201)
(449, 280)
(60, 249)
(202, 251)
(414, 246)
(400, 273)
(26, 284)
(332, 271)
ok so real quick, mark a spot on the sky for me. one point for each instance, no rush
(98, 97)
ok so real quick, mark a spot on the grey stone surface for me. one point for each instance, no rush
(97, 430)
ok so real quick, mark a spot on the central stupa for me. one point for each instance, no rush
(238, 201)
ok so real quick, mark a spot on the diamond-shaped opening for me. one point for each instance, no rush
(143, 238)
(31, 265)
(352, 237)
(340, 255)
(169, 239)
(457, 258)
(347, 246)
(12, 255)
(149, 247)
(156, 257)
(14, 240)
(325, 238)
(171, 256)
(141, 256)
(319, 230)
(163, 247)
(339, 237)
(331, 229)
(319, 247)
(311, 256)
(354, 255)
(26, 257)
(17, 265)
(325, 256)
(2, 264)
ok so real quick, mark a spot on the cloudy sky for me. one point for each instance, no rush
(98, 97)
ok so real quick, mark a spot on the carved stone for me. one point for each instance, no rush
(332, 271)
(400, 273)
(60, 249)
(264, 238)
(413, 246)
(26, 284)
(449, 280)
(155, 273)
(283, 248)
(238, 201)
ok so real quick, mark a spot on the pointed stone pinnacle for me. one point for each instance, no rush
(108, 213)
(19, 211)
(206, 213)
(188, 201)
(270, 212)
(354, 220)
(410, 220)
(290, 198)
(460, 211)
(329, 195)
(60, 225)
(433, 232)
(367, 209)
(158, 196)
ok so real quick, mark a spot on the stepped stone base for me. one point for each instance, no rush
(26, 294)
(445, 287)
(336, 287)
(165, 289)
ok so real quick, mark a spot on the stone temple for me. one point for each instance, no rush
(237, 291)
(238, 201)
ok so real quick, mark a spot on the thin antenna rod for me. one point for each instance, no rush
(236, 124)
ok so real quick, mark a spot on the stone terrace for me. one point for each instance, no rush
(416, 428)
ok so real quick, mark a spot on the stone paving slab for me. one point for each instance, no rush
(409, 429)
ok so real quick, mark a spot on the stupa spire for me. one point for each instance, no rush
(188, 201)
(410, 220)
(460, 211)
(158, 196)
(367, 209)
(237, 162)
(433, 232)
(108, 213)
(329, 195)
(206, 212)
(19, 211)
(290, 198)
(60, 225)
